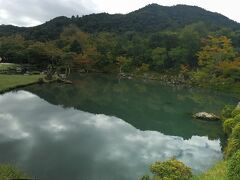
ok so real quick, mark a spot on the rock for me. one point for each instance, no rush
(122, 75)
(206, 116)
(63, 76)
(238, 105)
(18, 69)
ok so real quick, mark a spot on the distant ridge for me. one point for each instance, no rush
(151, 18)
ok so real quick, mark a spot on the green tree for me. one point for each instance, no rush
(43, 54)
(229, 69)
(189, 40)
(215, 50)
(76, 47)
(105, 44)
(178, 56)
(87, 60)
(163, 39)
(12, 49)
(159, 58)
(123, 63)
(74, 40)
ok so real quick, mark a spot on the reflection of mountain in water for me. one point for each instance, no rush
(56, 143)
(146, 106)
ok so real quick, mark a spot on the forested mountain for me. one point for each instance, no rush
(178, 45)
(186, 40)
(152, 18)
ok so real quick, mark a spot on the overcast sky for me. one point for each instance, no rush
(34, 12)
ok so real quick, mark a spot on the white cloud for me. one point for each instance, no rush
(3, 14)
(114, 139)
(33, 12)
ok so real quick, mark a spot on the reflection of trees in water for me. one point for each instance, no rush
(201, 96)
(119, 145)
(146, 105)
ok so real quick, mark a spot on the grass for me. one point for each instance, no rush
(218, 172)
(8, 172)
(7, 66)
(8, 82)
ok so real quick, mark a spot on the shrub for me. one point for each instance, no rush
(236, 132)
(233, 170)
(10, 172)
(227, 111)
(143, 68)
(146, 177)
(200, 76)
(171, 170)
(236, 112)
(232, 147)
(217, 172)
(228, 126)
(230, 123)
(237, 118)
(234, 141)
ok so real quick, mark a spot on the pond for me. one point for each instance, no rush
(105, 128)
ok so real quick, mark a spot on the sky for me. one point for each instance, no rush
(35, 12)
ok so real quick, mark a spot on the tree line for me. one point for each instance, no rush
(193, 51)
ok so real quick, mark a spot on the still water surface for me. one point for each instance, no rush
(101, 128)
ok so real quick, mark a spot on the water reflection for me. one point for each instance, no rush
(51, 142)
(145, 105)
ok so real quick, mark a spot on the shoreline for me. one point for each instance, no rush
(26, 80)
(178, 80)
(16, 87)
(11, 82)
(170, 80)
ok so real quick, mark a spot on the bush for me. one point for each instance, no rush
(233, 170)
(232, 147)
(10, 172)
(237, 119)
(227, 111)
(230, 123)
(171, 170)
(234, 141)
(236, 132)
(145, 178)
(228, 126)
(200, 76)
(236, 112)
(217, 172)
